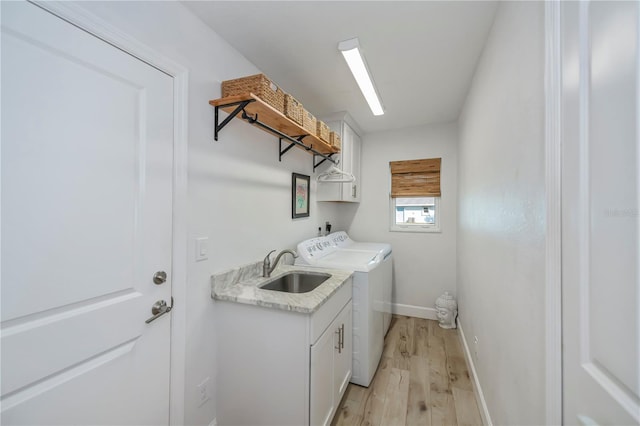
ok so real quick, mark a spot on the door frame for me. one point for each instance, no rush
(98, 27)
(553, 196)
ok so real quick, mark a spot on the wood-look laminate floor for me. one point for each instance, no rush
(422, 379)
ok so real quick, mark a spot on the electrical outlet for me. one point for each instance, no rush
(475, 346)
(203, 392)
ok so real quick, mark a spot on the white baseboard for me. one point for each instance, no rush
(414, 311)
(482, 404)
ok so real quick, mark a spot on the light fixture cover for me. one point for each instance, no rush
(351, 51)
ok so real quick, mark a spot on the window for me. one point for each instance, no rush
(415, 195)
(415, 214)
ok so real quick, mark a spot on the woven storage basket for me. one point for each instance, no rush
(257, 84)
(323, 131)
(293, 109)
(309, 122)
(334, 139)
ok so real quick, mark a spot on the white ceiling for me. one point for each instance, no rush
(422, 54)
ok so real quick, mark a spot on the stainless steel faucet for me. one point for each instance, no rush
(267, 269)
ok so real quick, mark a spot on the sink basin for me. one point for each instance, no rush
(296, 282)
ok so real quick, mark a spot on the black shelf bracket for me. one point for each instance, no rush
(291, 145)
(293, 140)
(240, 107)
(324, 158)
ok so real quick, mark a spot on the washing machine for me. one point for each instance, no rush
(368, 281)
(342, 240)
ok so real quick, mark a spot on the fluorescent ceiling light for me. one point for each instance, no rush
(351, 51)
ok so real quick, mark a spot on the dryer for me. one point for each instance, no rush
(342, 240)
(368, 281)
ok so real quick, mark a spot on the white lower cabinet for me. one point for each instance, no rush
(278, 367)
(331, 353)
(344, 360)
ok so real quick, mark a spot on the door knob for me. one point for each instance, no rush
(158, 309)
(160, 277)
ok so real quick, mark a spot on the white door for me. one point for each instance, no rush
(87, 137)
(600, 213)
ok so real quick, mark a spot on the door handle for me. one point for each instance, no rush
(158, 309)
(340, 333)
(159, 277)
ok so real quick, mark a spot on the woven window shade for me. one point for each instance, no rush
(415, 178)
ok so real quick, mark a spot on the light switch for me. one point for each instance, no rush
(202, 249)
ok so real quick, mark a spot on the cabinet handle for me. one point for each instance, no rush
(339, 347)
(342, 336)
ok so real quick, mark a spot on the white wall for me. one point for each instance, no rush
(424, 263)
(239, 194)
(501, 223)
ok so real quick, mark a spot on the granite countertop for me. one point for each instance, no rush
(240, 285)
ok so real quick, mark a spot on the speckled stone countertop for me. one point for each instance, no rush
(241, 284)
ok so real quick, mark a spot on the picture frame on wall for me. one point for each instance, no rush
(300, 192)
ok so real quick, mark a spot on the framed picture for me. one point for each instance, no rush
(300, 189)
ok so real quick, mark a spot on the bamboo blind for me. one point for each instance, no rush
(415, 178)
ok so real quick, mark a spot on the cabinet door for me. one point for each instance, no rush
(347, 145)
(349, 161)
(322, 389)
(356, 187)
(331, 191)
(344, 358)
(351, 146)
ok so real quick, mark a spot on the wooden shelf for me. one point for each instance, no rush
(273, 118)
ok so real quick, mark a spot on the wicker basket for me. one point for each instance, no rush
(322, 131)
(309, 122)
(293, 109)
(334, 139)
(257, 84)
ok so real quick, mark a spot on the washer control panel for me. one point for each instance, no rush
(315, 248)
(339, 238)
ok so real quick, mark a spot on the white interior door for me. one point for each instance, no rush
(600, 203)
(87, 139)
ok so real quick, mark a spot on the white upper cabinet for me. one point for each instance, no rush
(349, 161)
